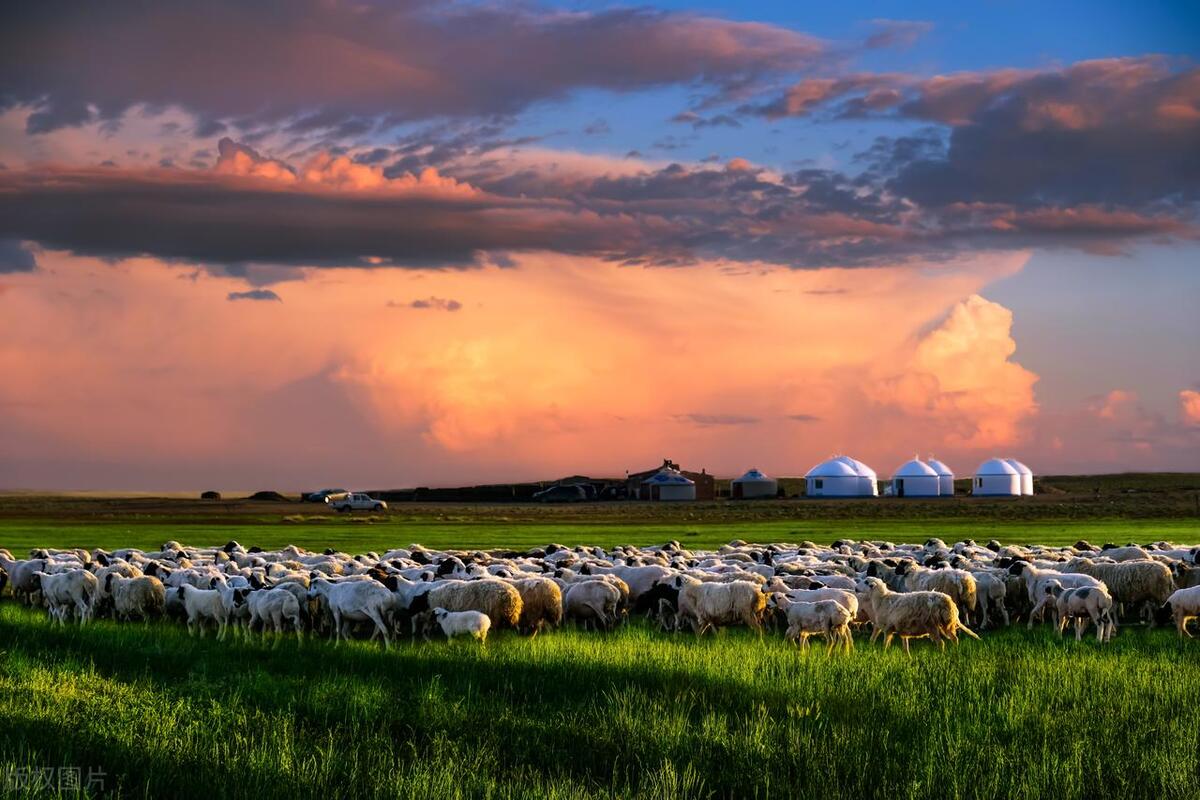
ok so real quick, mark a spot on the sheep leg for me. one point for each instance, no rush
(377, 618)
(904, 641)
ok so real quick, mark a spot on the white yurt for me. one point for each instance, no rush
(945, 477)
(669, 484)
(915, 478)
(834, 478)
(867, 479)
(996, 478)
(1026, 475)
(753, 484)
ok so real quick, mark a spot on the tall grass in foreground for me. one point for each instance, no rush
(631, 714)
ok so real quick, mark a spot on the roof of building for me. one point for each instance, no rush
(996, 466)
(833, 468)
(916, 468)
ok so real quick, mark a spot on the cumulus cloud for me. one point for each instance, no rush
(246, 62)
(255, 294)
(1189, 406)
(960, 375)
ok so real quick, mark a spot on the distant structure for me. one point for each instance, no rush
(945, 477)
(997, 478)
(753, 484)
(915, 478)
(1026, 475)
(868, 481)
(841, 476)
(668, 484)
(638, 485)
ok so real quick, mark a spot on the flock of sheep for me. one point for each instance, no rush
(934, 590)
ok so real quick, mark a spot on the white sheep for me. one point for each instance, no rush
(1185, 606)
(68, 593)
(142, 597)
(1037, 579)
(1083, 604)
(274, 606)
(712, 605)
(457, 623)
(203, 606)
(592, 601)
(826, 618)
(913, 615)
(356, 601)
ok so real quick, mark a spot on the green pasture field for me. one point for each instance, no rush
(360, 535)
(569, 714)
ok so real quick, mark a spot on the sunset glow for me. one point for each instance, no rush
(591, 240)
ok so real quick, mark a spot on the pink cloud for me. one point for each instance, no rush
(1189, 406)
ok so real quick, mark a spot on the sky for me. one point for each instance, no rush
(393, 244)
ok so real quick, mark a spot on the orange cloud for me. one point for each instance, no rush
(555, 365)
(1189, 406)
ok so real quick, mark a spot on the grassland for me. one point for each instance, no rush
(635, 713)
(631, 714)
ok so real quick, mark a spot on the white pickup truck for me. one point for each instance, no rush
(355, 501)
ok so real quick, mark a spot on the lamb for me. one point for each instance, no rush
(1185, 606)
(68, 594)
(455, 623)
(840, 596)
(1081, 605)
(541, 605)
(711, 605)
(826, 618)
(142, 597)
(203, 606)
(914, 615)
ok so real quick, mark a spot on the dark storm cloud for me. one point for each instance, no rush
(674, 215)
(1116, 132)
(15, 257)
(228, 60)
(255, 294)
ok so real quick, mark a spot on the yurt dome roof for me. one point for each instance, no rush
(668, 477)
(996, 466)
(939, 467)
(752, 475)
(915, 468)
(860, 469)
(1018, 466)
(833, 468)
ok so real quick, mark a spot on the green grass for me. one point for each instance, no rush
(464, 532)
(631, 714)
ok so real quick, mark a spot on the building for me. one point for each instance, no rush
(668, 484)
(996, 478)
(753, 484)
(1026, 475)
(837, 477)
(915, 478)
(945, 477)
(867, 479)
(635, 482)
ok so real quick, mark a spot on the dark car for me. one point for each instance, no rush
(320, 496)
(561, 494)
